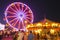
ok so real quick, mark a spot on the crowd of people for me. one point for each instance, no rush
(18, 35)
(11, 34)
(21, 35)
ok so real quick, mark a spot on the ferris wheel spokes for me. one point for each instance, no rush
(13, 20)
(15, 23)
(11, 16)
(13, 9)
(19, 25)
(10, 12)
(18, 15)
(16, 8)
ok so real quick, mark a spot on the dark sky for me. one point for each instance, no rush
(41, 8)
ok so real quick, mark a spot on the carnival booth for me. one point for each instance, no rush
(46, 26)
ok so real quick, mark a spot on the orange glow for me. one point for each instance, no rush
(7, 25)
(39, 24)
(12, 4)
(43, 25)
(46, 23)
(28, 26)
(54, 24)
(36, 31)
(52, 31)
(40, 29)
(25, 21)
(31, 25)
(59, 25)
(37, 27)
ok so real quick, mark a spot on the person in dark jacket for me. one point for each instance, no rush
(30, 36)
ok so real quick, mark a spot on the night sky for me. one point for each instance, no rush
(41, 9)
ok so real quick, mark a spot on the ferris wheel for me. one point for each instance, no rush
(18, 15)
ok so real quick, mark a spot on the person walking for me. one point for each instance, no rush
(35, 36)
(30, 36)
(25, 36)
(20, 35)
(38, 36)
(15, 36)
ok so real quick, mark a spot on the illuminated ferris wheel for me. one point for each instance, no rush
(18, 15)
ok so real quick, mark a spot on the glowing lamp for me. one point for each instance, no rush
(25, 21)
(28, 26)
(46, 23)
(54, 25)
(38, 24)
(52, 31)
(31, 25)
(12, 4)
(36, 31)
(40, 30)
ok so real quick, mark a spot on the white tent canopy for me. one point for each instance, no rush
(2, 26)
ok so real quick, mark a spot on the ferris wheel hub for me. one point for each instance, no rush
(20, 15)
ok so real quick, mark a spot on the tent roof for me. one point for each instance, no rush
(47, 21)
